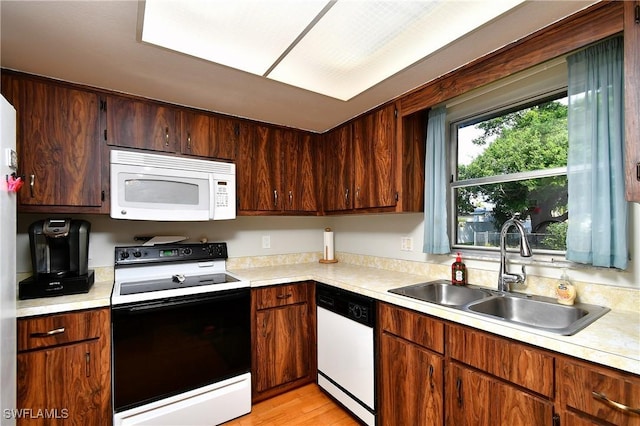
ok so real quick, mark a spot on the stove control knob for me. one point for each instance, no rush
(124, 255)
(137, 254)
(186, 251)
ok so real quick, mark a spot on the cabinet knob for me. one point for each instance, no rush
(166, 136)
(275, 198)
(189, 141)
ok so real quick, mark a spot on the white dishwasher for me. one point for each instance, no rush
(346, 349)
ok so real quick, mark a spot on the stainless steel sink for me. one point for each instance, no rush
(539, 313)
(442, 293)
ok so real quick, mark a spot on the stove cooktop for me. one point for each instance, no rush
(175, 282)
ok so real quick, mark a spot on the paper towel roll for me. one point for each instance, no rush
(328, 244)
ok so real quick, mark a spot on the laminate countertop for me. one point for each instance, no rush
(613, 340)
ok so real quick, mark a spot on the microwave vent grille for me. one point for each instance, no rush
(164, 161)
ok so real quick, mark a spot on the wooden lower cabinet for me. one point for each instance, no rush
(411, 366)
(411, 382)
(598, 395)
(63, 373)
(283, 333)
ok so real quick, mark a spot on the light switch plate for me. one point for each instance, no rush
(11, 158)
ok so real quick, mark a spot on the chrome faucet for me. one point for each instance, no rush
(506, 278)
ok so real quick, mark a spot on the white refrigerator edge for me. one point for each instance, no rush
(7, 265)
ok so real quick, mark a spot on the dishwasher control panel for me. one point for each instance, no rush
(346, 303)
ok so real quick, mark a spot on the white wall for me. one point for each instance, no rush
(374, 235)
(243, 235)
(380, 235)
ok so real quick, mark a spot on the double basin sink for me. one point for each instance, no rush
(540, 313)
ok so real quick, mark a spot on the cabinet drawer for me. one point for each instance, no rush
(578, 382)
(40, 332)
(280, 295)
(517, 363)
(417, 328)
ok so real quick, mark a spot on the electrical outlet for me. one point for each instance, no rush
(266, 241)
(406, 244)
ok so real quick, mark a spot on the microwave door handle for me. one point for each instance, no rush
(212, 197)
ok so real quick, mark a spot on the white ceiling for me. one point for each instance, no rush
(97, 43)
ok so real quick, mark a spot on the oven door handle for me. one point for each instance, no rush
(154, 305)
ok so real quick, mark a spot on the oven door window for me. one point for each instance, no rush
(165, 347)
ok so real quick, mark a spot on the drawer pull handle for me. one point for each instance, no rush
(602, 397)
(284, 296)
(49, 333)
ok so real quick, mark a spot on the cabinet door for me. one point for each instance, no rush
(632, 100)
(195, 134)
(260, 171)
(476, 399)
(140, 124)
(599, 392)
(281, 346)
(300, 172)
(412, 383)
(468, 396)
(337, 179)
(225, 136)
(374, 159)
(64, 383)
(59, 146)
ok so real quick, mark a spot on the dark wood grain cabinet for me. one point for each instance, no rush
(374, 159)
(283, 331)
(277, 171)
(337, 185)
(59, 147)
(411, 367)
(64, 367)
(632, 98)
(207, 135)
(594, 394)
(374, 164)
(141, 124)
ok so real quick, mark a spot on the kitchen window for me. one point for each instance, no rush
(510, 160)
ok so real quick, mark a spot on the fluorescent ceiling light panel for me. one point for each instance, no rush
(336, 48)
(242, 34)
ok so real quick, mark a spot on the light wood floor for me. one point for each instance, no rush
(307, 405)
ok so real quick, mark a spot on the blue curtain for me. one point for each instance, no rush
(436, 239)
(597, 232)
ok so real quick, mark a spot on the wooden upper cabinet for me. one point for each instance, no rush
(374, 146)
(225, 135)
(276, 171)
(59, 147)
(141, 124)
(300, 167)
(195, 133)
(632, 100)
(206, 135)
(337, 180)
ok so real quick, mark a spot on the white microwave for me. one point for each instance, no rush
(169, 188)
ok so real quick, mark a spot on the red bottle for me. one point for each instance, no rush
(458, 272)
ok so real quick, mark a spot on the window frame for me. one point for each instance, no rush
(481, 115)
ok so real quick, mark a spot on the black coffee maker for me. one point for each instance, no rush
(59, 257)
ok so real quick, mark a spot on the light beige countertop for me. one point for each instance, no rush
(613, 340)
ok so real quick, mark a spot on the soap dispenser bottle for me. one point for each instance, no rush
(458, 271)
(565, 291)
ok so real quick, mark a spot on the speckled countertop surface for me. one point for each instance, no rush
(613, 340)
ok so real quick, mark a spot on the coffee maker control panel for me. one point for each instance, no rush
(168, 253)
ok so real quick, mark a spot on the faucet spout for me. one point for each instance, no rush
(506, 278)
